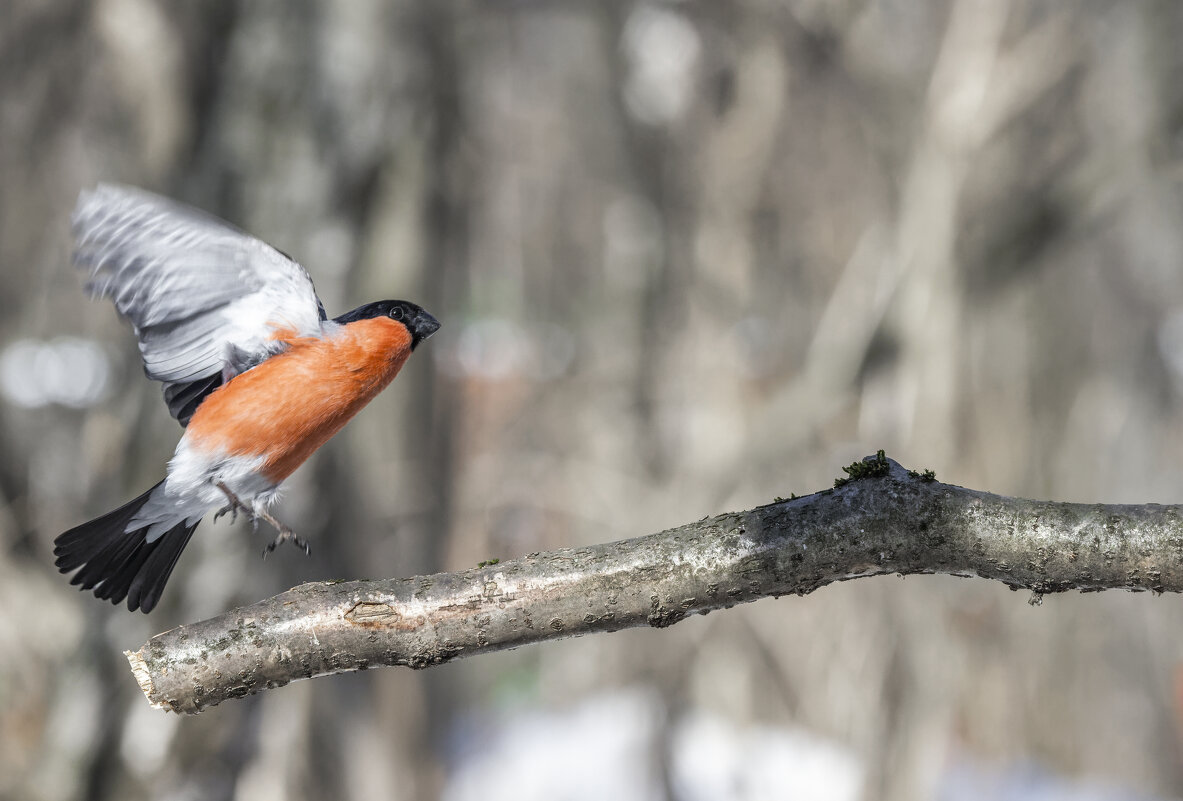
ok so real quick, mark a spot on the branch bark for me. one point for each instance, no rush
(885, 520)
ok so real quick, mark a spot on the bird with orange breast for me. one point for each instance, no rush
(251, 365)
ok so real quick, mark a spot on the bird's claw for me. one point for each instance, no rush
(286, 535)
(232, 507)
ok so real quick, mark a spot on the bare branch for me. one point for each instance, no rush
(886, 520)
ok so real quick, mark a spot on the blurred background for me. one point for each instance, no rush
(689, 256)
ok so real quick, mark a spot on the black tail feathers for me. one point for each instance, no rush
(120, 564)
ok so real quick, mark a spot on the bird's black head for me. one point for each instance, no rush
(418, 322)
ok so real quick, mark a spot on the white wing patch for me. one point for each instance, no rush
(203, 297)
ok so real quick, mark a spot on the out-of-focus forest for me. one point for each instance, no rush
(689, 256)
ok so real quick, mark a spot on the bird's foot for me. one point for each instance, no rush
(285, 535)
(232, 507)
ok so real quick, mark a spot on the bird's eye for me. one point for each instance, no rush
(396, 313)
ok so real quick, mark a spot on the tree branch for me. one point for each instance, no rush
(884, 519)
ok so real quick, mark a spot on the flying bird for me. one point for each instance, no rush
(251, 366)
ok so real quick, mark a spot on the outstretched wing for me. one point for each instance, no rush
(205, 299)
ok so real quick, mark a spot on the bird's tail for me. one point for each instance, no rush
(120, 564)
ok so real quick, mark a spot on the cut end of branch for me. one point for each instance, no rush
(139, 669)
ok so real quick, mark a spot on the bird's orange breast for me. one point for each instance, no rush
(291, 404)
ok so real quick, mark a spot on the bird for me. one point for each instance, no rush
(251, 365)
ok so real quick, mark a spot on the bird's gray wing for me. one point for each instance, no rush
(204, 298)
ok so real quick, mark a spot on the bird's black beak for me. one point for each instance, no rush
(422, 325)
